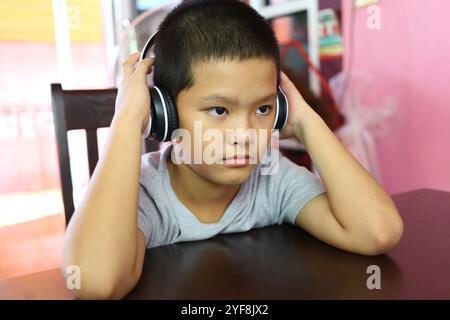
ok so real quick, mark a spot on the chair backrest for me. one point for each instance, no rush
(81, 109)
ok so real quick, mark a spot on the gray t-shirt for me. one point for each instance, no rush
(262, 200)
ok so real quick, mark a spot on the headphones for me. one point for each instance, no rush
(163, 118)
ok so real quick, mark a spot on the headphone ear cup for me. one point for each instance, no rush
(164, 114)
(157, 128)
(282, 111)
(172, 114)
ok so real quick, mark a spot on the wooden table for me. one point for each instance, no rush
(283, 262)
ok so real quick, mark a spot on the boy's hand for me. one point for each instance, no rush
(133, 96)
(299, 110)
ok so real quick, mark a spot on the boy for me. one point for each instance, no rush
(220, 62)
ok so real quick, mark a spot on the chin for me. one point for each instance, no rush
(231, 176)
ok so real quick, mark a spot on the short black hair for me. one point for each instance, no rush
(204, 30)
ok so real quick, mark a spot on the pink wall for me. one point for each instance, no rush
(28, 160)
(408, 58)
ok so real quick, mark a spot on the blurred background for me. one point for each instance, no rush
(377, 71)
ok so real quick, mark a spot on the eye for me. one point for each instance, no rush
(264, 110)
(217, 111)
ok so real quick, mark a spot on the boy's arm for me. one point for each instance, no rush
(102, 238)
(355, 214)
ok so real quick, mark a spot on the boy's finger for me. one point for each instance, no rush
(128, 64)
(286, 83)
(283, 82)
(284, 77)
(145, 65)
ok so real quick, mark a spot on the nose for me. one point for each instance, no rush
(240, 132)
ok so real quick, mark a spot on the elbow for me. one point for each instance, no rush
(87, 278)
(87, 286)
(94, 293)
(93, 282)
(387, 236)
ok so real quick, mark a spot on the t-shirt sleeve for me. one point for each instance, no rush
(149, 219)
(296, 186)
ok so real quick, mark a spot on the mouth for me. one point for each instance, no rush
(237, 161)
(237, 157)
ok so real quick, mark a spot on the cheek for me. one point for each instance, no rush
(262, 142)
(185, 121)
(262, 147)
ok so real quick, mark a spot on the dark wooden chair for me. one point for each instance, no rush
(81, 109)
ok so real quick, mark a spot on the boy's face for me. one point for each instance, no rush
(229, 95)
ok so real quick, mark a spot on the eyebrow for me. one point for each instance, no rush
(218, 97)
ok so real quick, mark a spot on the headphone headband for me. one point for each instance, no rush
(147, 46)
